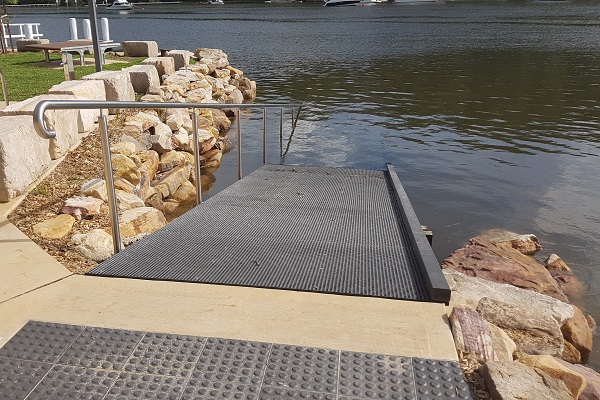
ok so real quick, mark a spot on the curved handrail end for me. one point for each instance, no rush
(38, 121)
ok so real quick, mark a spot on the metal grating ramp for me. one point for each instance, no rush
(56, 362)
(323, 230)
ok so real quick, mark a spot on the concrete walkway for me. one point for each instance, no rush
(34, 286)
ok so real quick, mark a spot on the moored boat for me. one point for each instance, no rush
(330, 3)
(119, 5)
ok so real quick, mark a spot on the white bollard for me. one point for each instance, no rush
(28, 31)
(73, 29)
(104, 29)
(87, 29)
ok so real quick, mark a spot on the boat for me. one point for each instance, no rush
(330, 3)
(215, 2)
(119, 5)
(414, 1)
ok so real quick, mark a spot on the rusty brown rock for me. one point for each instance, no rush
(574, 381)
(155, 201)
(577, 332)
(484, 259)
(592, 381)
(571, 354)
(211, 159)
(170, 181)
(563, 275)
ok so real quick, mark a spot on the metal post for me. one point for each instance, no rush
(110, 184)
(4, 88)
(97, 59)
(197, 157)
(281, 133)
(239, 139)
(264, 135)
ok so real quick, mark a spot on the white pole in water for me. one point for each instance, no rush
(28, 31)
(104, 29)
(87, 29)
(73, 28)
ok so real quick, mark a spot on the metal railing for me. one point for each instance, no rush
(46, 133)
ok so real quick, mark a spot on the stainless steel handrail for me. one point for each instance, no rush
(46, 133)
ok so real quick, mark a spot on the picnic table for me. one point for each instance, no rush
(77, 46)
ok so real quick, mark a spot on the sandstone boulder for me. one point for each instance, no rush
(469, 291)
(150, 160)
(95, 188)
(526, 244)
(125, 148)
(181, 58)
(127, 201)
(213, 56)
(63, 122)
(143, 77)
(54, 228)
(96, 245)
(160, 139)
(82, 207)
(125, 185)
(577, 332)
(172, 180)
(532, 334)
(117, 85)
(25, 156)
(23, 43)
(484, 259)
(186, 193)
(512, 380)
(211, 159)
(170, 160)
(220, 121)
(234, 71)
(82, 89)
(574, 381)
(140, 48)
(164, 65)
(125, 168)
(141, 220)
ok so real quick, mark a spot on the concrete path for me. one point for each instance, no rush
(34, 286)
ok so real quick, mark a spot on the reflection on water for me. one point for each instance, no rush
(489, 112)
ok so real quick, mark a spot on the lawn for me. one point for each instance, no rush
(25, 80)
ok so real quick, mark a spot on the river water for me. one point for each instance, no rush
(490, 112)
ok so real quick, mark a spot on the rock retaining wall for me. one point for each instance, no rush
(200, 83)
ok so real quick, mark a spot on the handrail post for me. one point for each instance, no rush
(281, 133)
(239, 140)
(196, 148)
(264, 135)
(110, 184)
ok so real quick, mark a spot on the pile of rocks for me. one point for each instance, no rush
(153, 163)
(511, 319)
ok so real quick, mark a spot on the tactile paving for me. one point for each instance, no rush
(69, 382)
(19, 377)
(166, 354)
(41, 341)
(111, 364)
(327, 230)
(102, 348)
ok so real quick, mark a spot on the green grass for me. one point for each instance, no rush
(25, 80)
